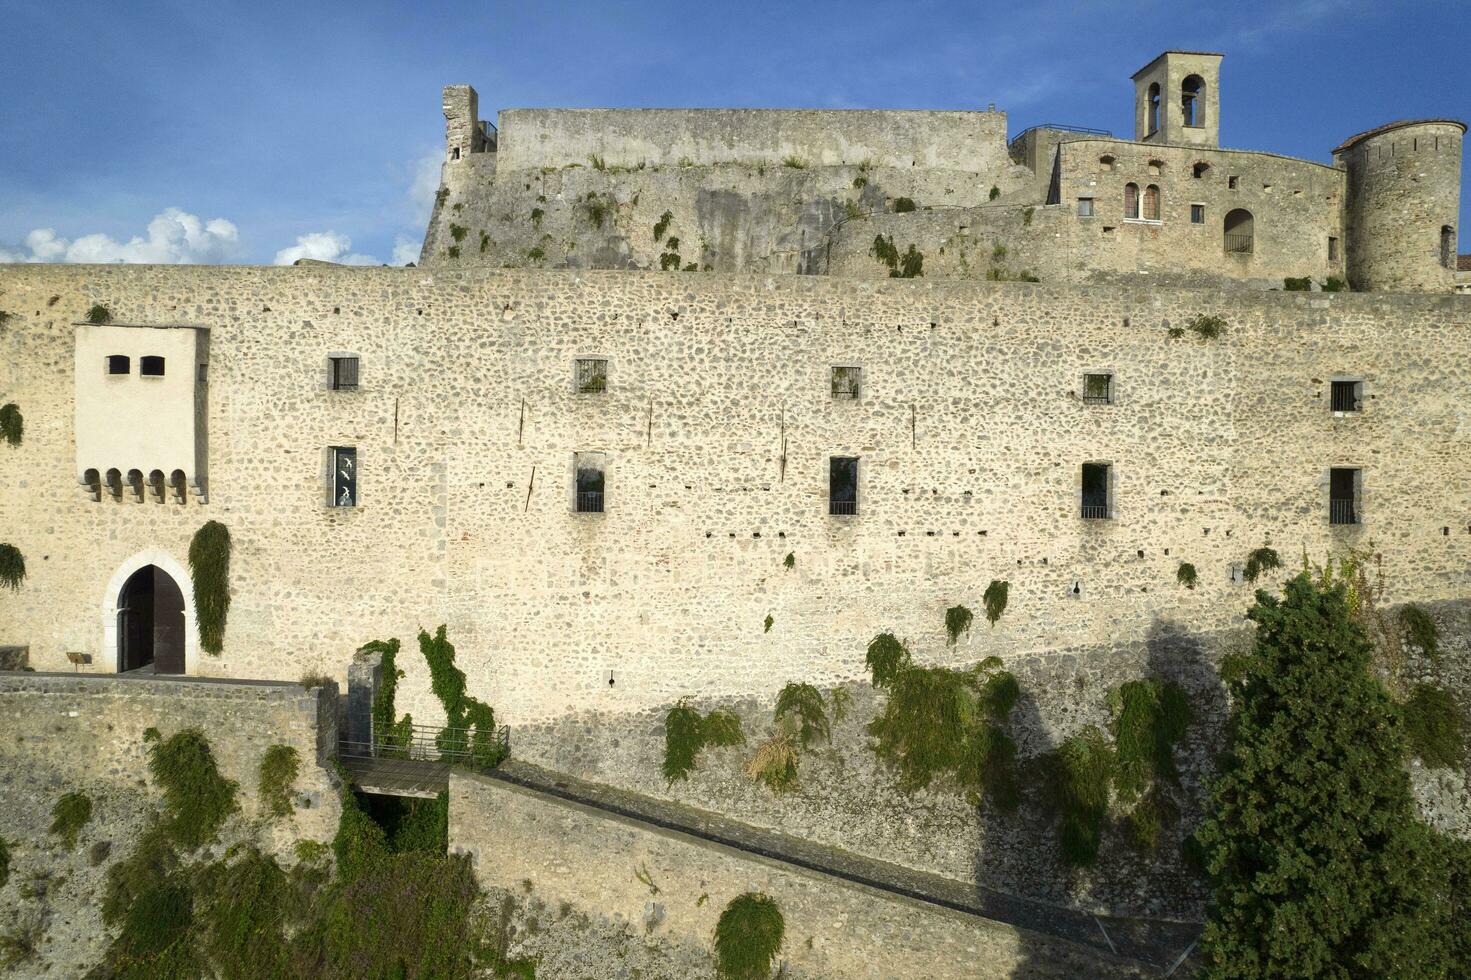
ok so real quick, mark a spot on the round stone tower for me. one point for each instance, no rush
(1404, 198)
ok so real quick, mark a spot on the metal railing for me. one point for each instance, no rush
(842, 508)
(1095, 512)
(1239, 244)
(1064, 128)
(426, 743)
(589, 502)
(1341, 511)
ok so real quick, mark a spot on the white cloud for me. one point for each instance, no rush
(174, 237)
(424, 186)
(325, 246)
(405, 250)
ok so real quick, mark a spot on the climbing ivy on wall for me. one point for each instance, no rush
(11, 424)
(460, 709)
(12, 566)
(209, 565)
(385, 728)
(198, 798)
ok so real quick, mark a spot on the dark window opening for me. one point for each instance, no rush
(1348, 396)
(1231, 182)
(1151, 203)
(150, 366)
(592, 375)
(203, 372)
(1131, 200)
(1332, 249)
(842, 485)
(591, 482)
(1098, 389)
(344, 373)
(1197, 214)
(1448, 247)
(1239, 229)
(1192, 101)
(1343, 494)
(1106, 161)
(344, 476)
(1153, 110)
(1095, 491)
(119, 364)
(1200, 170)
(846, 382)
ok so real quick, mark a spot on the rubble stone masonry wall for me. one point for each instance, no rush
(717, 426)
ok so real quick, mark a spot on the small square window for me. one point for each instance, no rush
(119, 364)
(1197, 214)
(1098, 389)
(592, 376)
(590, 482)
(1348, 396)
(344, 374)
(842, 485)
(847, 383)
(1085, 207)
(1096, 499)
(1231, 181)
(344, 476)
(150, 366)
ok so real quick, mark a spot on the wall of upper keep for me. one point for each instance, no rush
(1403, 205)
(531, 139)
(75, 731)
(718, 423)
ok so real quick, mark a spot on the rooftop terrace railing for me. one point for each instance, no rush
(1062, 127)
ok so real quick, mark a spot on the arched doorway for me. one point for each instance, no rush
(150, 623)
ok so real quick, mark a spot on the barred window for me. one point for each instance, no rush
(1348, 396)
(1098, 389)
(846, 382)
(842, 485)
(590, 482)
(1344, 486)
(344, 476)
(592, 376)
(1097, 501)
(344, 373)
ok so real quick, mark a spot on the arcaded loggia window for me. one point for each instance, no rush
(590, 477)
(150, 366)
(344, 461)
(1096, 498)
(842, 485)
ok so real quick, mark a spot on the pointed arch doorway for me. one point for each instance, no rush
(148, 616)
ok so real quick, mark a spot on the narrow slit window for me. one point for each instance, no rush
(847, 383)
(344, 476)
(1343, 495)
(344, 373)
(591, 482)
(119, 364)
(1097, 389)
(1332, 249)
(1096, 500)
(1348, 396)
(1231, 181)
(150, 366)
(592, 376)
(842, 485)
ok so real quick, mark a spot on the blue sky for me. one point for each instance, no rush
(222, 131)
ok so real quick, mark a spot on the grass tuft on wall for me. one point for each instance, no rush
(209, 566)
(71, 813)
(12, 566)
(748, 937)
(12, 425)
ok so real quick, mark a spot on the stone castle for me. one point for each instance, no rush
(604, 476)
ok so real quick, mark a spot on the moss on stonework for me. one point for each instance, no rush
(278, 771)
(748, 937)
(197, 797)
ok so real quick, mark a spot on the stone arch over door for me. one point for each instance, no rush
(114, 595)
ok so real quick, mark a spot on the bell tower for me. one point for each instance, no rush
(1177, 99)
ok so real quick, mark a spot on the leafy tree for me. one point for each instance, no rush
(1318, 866)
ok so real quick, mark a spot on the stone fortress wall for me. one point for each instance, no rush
(807, 191)
(718, 423)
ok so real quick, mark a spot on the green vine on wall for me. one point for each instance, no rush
(995, 599)
(957, 621)
(461, 711)
(278, 771)
(385, 727)
(198, 798)
(12, 566)
(12, 425)
(209, 565)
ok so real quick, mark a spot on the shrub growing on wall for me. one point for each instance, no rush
(209, 566)
(1434, 726)
(70, 814)
(4, 861)
(1420, 630)
(886, 658)
(994, 599)
(1261, 560)
(278, 771)
(1079, 775)
(12, 566)
(99, 314)
(748, 937)
(1149, 719)
(1318, 864)
(197, 797)
(804, 705)
(12, 426)
(1185, 575)
(461, 711)
(957, 621)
